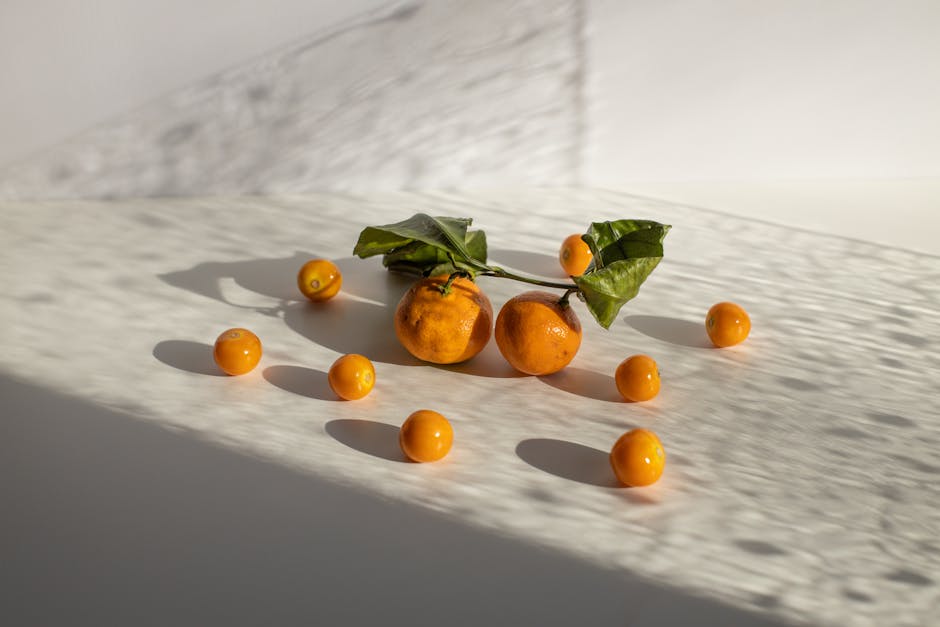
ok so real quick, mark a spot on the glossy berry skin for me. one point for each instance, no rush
(237, 351)
(727, 324)
(637, 378)
(352, 377)
(426, 436)
(638, 458)
(319, 280)
(575, 255)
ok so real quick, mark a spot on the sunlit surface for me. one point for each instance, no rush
(802, 477)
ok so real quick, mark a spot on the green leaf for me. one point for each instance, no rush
(426, 245)
(605, 290)
(625, 239)
(625, 253)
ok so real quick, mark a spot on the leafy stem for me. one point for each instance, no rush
(500, 272)
(625, 252)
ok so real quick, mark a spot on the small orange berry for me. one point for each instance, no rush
(638, 458)
(319, 280)
(575, 255)
(351, 377)
(637, 378)
(426, 436)
(727, 324)
(237, 351)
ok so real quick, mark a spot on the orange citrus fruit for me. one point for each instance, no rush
(444, 328)
(638, 458)
(537, 334)
(426, 436)
(237, 351)
(319, 279)
(351, 377)
(575, 255)
(637, 378)
(727, 324)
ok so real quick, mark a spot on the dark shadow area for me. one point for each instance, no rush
(113, 521)
(586, 383)
(569, 460)
(488, 363)
(350, 326)
(301, 381)
(189, 356)
(366, 436)
(276, 278)
(671, 330)
(368, 278)
(538, 264)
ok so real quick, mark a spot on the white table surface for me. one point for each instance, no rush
(801, 484)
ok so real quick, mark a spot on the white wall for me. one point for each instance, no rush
(66, 65)
(697, 90)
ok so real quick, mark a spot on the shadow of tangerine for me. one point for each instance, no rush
(568, 460)
(301, 381)
(671, 330)
(350, 326)
(366, 436)
(586, 383)
(487, 363)
(189, 356)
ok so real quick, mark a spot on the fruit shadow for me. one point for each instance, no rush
(366, 436)
(487, 363)
(586, 383)
(195, 357)
(276, 278)
(347, 326)
(302, 381)
(577, 462)
(528, 262)
(569, 460)
(671, 330)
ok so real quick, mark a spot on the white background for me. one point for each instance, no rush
(794, 111)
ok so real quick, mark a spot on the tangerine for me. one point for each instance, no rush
(351, 377)
(426, 436)
(319, 279)
(638, 458)
(727, 324)
(237, 351)
(444, 325)
(575, 255)
(537, 333)
(637, 378)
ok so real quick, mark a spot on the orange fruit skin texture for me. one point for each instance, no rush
(351, 377)
(536, 335)
(444, 329)
(637, 378)
(319, 280)
(575, 255)
(727, 324)
(426, 436)
(638, 458)
(237, 351)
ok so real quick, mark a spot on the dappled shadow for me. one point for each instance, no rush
(671, 330)
(186, 355)
(366, 436)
